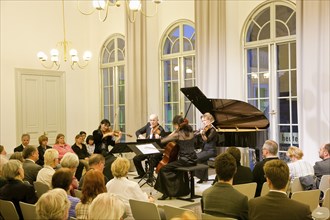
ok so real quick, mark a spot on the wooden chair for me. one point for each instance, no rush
(40, 188)
(248, 189)
(296, 185)
(144, 210)
(324, 183)
(264, 189)
(171, 211)
(211, 217)
(310, 197)
(326, 199)
(28, 211)
(8, 210)
(78, 193)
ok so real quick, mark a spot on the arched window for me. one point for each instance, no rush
(112, 64)
(177, 70)
(270, 68)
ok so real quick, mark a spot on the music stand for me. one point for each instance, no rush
(147, 149)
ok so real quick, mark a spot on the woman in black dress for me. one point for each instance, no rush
(103, 137)
(174, 183)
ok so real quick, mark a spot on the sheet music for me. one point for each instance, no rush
(147, 148)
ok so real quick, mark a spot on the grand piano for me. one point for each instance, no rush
(239, 123)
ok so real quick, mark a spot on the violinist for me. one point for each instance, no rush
(152, 130)
(210, 138)
(170, 182)
(103, 137)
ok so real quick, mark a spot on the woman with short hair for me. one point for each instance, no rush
(53, 205)
(51, 162)
(43, 146)
(298, 167)
(106, 206)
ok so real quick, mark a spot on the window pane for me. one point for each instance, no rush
(253, 85)
(176, 109)
(106, 112)
(188, 67)
(121, 95)
(105, 56)
(264, 107)
(252, 32)
(187, 45)
(188, 31)
(282, 57)
(175, 91)
(283, 83)
(168, 114)
(293, 55)
(263, 59)
(265, 32)
(292, 24)
(167, 70)
(283, 13)
(254, 103)
(175, 69)
(284, 137)
(121, 73)
(284, 111)
(189, 83)
(263, 17)
(167, 92)
(295, 132)
(106, 96)
(293, 83)
(111, 46)
(111, 75)
(121, 43)
(175, 33)
(294, 111)
(112, 57)
(252, 60)
(264, 85)
(121, 115)
(120, 54)
(167, 46)
(111, 94)
(105, 77)
(190, 113)
(176, 47)
(281, 29)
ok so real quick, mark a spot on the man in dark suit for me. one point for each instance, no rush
(276, 204)
(222, 199)
(152, 130)
(269, 152)
(31, 169)
(25, 142)
(322, 167)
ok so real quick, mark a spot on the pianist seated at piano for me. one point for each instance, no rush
(209, 137)
(169, 181)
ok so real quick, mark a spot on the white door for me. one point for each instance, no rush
(40, 96)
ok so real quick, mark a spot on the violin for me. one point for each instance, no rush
(155, 130)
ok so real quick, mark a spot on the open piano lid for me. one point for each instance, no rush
(229, 114)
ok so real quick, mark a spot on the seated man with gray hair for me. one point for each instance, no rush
(31, 169)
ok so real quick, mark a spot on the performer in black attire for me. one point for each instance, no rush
(103, 137)
(152, 130)
(174, 183)
(210, 138)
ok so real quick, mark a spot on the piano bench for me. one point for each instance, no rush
(191, 172)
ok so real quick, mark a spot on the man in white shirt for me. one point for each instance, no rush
(51, 161)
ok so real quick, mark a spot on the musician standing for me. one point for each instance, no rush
(170, 182)
(152, 130)
(103, 137)
(210, 138)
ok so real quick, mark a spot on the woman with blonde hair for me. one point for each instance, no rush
(298, 167)
(92, 186)
(106, 206)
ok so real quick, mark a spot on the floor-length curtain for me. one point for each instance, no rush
(313, 67)
(136, 71)
(210, 17)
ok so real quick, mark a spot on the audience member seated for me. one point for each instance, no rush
(276, 204)
(62, 178)
(106, 206)
(43, 141)
(243, 174)
(46, 173)
(61, 146)
(186, 215)
(71, 161)
(92, 186)
(25, 142)
(17, 156)
(90, 144)
(3, 160)
(322, 167)
(31, 169)
(53, 205)
(96, 162)
(125, 189)
(16, 190)
(269, 152)
(81, 150)
(222, 199)
(298, 167)
(83, 134)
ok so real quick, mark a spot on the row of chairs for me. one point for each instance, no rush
(8, 210)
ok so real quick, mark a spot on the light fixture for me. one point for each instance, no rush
(132, 7)
(55, 55)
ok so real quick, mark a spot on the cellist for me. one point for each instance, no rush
(170, 182)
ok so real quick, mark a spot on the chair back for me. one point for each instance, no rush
(310, 198)
(8, 210)
(211, 217)
(172, 212)
(326, 199)
(40, 188)
(28, 211)
(320, 213)
(264, 189)
(144, 210)
(324, 183)
(248, 189)
(296, 185)
(78, 193)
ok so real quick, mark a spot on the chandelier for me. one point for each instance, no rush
(132, 7)
(55, 55)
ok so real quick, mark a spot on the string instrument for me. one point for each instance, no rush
(155, 130)
(116, 133)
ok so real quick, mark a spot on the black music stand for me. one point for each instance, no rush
(148, 149)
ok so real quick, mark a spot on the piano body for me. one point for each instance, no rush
(239, 124)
